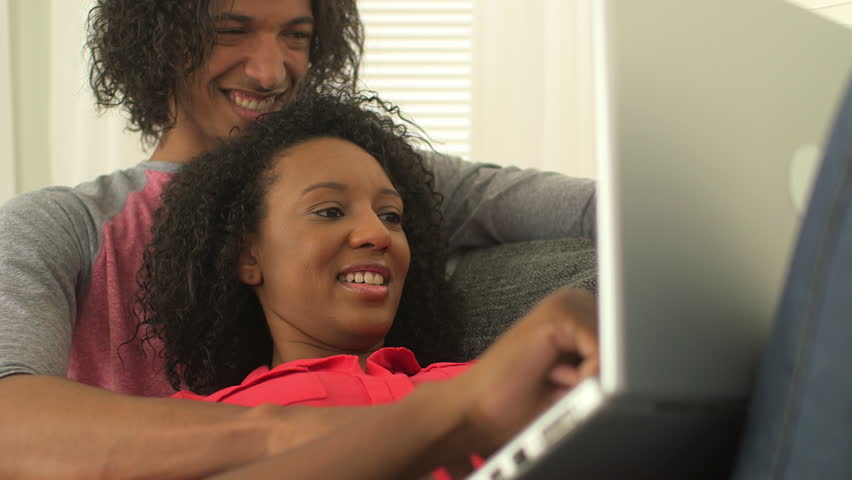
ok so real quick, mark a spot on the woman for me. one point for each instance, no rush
(276, 275)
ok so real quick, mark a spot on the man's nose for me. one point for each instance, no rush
(266, 63)
(370, 233)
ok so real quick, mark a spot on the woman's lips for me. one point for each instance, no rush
(366, 291)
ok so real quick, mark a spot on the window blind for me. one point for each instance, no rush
(418, 55)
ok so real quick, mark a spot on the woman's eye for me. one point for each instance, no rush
(391, 217)
(333, 212)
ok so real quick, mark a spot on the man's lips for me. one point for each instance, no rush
(250, 106)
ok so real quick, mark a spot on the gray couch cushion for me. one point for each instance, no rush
(498, 285)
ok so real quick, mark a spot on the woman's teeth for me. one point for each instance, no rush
(371, 278)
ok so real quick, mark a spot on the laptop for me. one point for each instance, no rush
(709, 119)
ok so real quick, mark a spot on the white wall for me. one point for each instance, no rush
(59, 137)
(8, 177)
(82, 143)
(30, 72)
(532, 85)
(837, 10)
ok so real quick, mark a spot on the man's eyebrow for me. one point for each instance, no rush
(342, 187)
(301, 21)
(241, 18)
(223, 17)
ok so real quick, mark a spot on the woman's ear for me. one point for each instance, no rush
(248, 268)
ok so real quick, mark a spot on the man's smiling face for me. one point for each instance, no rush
(261, 52)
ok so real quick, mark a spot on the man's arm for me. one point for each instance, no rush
(55, 428)
(487, 205)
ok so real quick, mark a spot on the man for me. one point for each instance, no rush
(190, 74)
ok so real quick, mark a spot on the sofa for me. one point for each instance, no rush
(497, 285)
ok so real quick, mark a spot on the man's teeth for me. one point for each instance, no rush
(370, 278)
(262, 106)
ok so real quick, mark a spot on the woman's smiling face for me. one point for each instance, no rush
(329, 259)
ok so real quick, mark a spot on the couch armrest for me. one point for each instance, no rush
(498, 285)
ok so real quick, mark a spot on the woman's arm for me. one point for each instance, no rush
(524, 372)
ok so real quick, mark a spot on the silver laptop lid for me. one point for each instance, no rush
(703, 110)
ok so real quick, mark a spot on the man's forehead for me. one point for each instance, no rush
(248, 10)
(243, 18)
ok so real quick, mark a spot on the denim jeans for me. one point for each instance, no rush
(800, 421)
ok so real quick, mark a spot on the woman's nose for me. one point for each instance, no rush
(370, 233)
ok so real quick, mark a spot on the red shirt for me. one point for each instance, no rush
(389, 374)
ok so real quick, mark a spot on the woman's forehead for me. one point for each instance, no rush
(328, 159)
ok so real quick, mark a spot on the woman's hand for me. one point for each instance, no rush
(544, 355)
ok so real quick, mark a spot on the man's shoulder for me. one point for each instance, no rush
(98, 199)
(446, 164)
(108, 193)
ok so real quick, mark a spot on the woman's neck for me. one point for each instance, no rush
(288, 351)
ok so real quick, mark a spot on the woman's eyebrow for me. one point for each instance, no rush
(390, 191)
(343, 187)
(331, 185)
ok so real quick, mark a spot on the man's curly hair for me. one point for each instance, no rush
(141, 49)
(212, 326)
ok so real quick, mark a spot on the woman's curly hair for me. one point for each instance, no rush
(212, 326)
(141, 49)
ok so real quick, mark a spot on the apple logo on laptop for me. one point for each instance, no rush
(803, 168)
